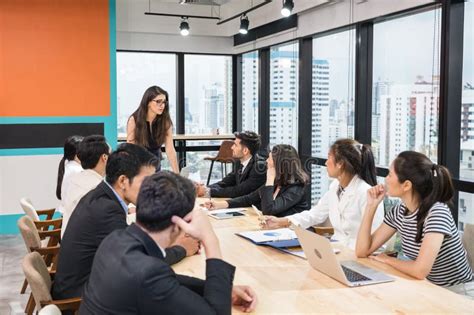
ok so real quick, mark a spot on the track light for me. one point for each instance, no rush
(244, 24)
(287, 7)
(184, 27)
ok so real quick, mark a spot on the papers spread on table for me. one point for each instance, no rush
(265, 236)
(284, 240)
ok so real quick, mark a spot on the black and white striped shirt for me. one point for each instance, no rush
(451, 265)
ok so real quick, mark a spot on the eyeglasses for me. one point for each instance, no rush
(159, 102)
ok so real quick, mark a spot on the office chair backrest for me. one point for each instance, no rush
(38, 277)
(29, 232)
(50, 310)
(29, 209)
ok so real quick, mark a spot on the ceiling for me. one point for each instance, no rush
(131, 18)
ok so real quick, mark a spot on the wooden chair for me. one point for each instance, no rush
(224, 156)
(468, 242)
(32, 238)
(42, 225)
(31, 211)
(324, 229)
(40, 281)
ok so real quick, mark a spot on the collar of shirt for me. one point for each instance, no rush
(349, 189)
(245, 163)
(92, 173)
(149, 243)
(122, 203)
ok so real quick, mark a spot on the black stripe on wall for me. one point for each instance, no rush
(28, 136)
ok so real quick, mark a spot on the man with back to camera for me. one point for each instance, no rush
(250, 172)
(93, 151)
(101, 211)
(130, 276)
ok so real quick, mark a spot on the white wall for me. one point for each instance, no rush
(174, 43)
(32, 176)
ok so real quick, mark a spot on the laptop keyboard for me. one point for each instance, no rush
(353, 276)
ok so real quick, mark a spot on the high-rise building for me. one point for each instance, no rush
(408, 119)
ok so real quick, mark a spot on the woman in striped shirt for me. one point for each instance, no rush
(430, 238)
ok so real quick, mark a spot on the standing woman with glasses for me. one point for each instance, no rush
(150, 125)
(352, 166)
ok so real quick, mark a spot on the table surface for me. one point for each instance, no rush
(288, 284)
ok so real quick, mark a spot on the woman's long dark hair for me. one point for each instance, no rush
(70, 151)
(356, 158)
(160, 124)
(431, 183)
(288, 167)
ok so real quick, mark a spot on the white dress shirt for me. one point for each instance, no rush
(70, 168)
(345, 212)
(245, 163)
(79, 185)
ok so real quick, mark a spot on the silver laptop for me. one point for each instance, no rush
(318, 250)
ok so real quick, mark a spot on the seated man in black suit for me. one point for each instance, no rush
(101, 211)
(130, 276)
(249, 174)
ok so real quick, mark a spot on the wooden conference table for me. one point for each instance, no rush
(286, 284)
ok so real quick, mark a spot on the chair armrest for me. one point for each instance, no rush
(47, 212)
(66, 304)
(56, 223)
(210, 158)
(53, 250)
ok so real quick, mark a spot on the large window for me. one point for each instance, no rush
(284, 95)
(135, 73)
(332, 98)
(250, 91)
(467, 111)
(406, 86)
(466, 209)
(208, 94)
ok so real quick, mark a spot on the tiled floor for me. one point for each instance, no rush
(12, 251)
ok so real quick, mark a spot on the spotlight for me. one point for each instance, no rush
(244, 24)
(184, 27)
(287, 7)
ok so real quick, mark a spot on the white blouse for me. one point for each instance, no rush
(345, 213)
(70, 168)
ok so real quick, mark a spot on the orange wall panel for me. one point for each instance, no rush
(54, 58)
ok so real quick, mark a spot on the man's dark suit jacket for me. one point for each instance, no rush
(129, 276)
(290, 200)
(96, 215)
(235, 184)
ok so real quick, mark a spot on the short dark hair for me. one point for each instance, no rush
(127, 160)
(249, 139)
(163, 195)
(91, 149)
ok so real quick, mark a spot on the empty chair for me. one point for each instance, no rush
(32, 238)
(39, 279)
(468, 242)
(34, 214)
(224, 156)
